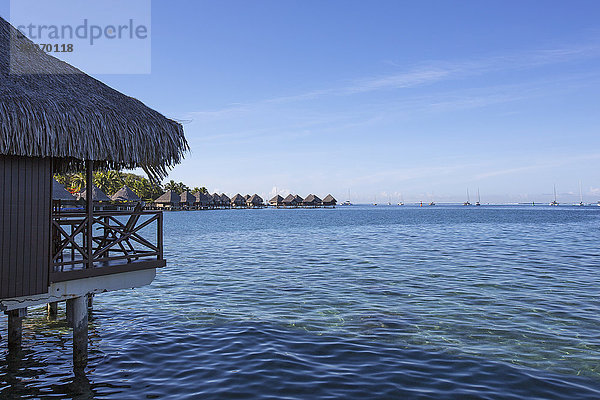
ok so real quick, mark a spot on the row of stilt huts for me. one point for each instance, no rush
(170, 200)
(207, 201)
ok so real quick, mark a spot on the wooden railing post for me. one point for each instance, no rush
(159, 235)
(89, 179)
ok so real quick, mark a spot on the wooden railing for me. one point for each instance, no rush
(119, 240)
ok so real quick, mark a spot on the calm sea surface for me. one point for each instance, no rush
(356, 302)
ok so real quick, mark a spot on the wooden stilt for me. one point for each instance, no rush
(15, 328)
(69, 312)
(80, 331)
(52, 310)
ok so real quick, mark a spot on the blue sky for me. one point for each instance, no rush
(422, 98)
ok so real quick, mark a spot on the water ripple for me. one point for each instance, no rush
(349, 303)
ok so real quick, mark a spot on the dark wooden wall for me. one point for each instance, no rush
(25, 197)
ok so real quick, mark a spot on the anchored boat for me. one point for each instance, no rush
(554, 203)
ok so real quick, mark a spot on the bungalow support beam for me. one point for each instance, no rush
(89, 178)
(69, 313)
(52, 310)
(80, 330)
(15, 327)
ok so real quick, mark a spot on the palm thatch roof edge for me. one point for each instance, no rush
(50, 109)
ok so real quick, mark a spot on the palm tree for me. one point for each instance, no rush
(177, 187)
(77, 182)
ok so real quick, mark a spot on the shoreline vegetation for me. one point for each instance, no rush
(110, 182)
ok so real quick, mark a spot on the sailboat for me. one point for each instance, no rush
(554, 202)
(478, 198)
(580, 196)
(347, 202)
(375, 200)
(467, 203)
(401, 203)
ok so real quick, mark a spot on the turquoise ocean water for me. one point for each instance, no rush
(353, 302)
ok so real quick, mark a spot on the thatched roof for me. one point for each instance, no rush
(60, 193)
(97, 194)
(299, 199)
(217, 199)
(125, 194)
(255, 200)
(50, 109)
(276, 200)
(188, 198)
(290, 199)
(169, 197)
(238, 200)
(225, 199)
(329, 199)
(312, 199)
(203, 199)
(210, 198)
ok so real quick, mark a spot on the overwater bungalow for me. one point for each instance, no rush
(125, 198)
(211, 201)
(56, 119)
(312, 201)
(61, 197)
(97, 195)
(225, 201)
(60, 193)
(238, 201)
(329, 201)
(187, 200)
(203, 200)
(125, 195)
(290, 201)
(217, 202)
(169, 200)
(247, 197)
(255, 201)
(276, 201)
(100, 199)
(299, 200)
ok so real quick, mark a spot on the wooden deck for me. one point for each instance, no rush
(120, 241)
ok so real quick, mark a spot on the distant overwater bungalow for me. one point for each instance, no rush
(61, 197)
(170, 200)
(187, 200)
(329, 201)
(255, 201)
(217, 203)
(238, 201)
(203, 201)
(125, 198)
(290, 201)
(225, 201)
(276, 201)
(312, 201)
(100, 199)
